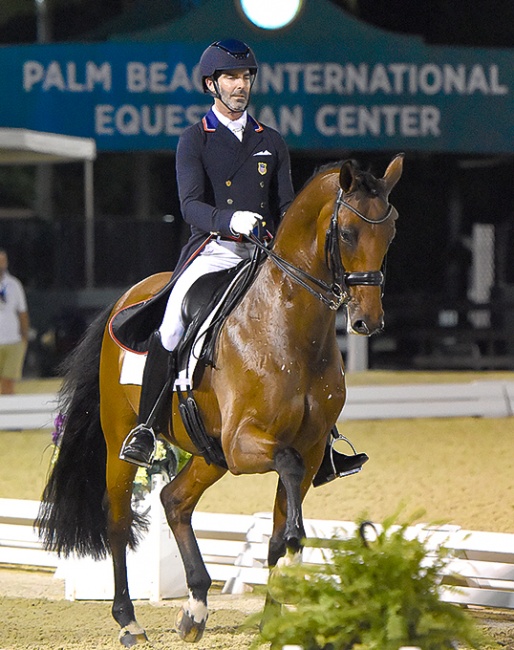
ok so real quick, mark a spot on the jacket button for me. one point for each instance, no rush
(230, 201)
(263, 205)
(229, 183)
(261, 183)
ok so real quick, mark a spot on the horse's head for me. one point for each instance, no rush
(364, 225)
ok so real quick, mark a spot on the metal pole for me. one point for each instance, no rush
(44, 30)
(44, 171)
(89, 238)
(357, 353)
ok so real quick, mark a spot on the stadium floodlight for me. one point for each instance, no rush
(271, 14)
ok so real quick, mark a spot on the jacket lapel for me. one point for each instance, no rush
(252, 139)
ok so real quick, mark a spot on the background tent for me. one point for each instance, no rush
(26, 147)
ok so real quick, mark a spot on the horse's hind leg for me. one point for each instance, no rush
(117, 418)
(179, 499)
(120, 476)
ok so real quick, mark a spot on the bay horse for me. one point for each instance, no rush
(273, 395)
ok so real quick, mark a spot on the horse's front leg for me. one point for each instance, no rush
(179, 499)
(286, 542)
(290, 468)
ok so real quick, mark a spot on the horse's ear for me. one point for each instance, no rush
(393, 172)
(348, 177)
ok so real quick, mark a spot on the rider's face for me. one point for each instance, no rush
(234, 87)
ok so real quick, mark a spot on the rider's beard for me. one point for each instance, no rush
(236, 101)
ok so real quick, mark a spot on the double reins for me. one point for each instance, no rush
(335, 294)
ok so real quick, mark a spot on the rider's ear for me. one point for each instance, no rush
(393, 172)
(348, 177)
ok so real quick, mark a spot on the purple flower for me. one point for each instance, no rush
(59, 423)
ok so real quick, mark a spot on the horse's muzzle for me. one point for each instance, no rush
(363, 322)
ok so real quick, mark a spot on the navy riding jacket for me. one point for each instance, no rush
(217, 175)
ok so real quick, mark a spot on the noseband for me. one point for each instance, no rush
(337, 293)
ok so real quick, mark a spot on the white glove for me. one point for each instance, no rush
(243, 222)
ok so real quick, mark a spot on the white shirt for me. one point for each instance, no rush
(12, 303)
(236, 126)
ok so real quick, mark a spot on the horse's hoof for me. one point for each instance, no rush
(132, 635)
(188, 629)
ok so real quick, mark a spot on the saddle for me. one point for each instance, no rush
(133, 326)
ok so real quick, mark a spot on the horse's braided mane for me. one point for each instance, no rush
(366, 179)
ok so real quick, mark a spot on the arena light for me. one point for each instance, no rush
(271, 14)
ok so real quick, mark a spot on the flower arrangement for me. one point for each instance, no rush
(167, 462)
(370, 595)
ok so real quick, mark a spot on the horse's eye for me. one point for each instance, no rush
(347, 236)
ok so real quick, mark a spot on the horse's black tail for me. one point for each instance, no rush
(71, 517)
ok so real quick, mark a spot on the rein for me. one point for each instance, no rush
(335, 294)
(339, 295)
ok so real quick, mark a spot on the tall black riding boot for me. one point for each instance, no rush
(335, 464)
(158, 377)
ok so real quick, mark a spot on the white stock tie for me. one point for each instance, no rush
(237, 129)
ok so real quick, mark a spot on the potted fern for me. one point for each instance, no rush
(370, 595)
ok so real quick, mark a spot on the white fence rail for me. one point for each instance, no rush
(32, 411)
(494, 399)
(473, 399)
(235, 549)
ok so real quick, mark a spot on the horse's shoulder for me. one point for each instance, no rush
(143, 290)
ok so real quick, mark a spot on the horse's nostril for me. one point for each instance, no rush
(360, 327)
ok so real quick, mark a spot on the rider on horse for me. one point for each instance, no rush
(233, 175)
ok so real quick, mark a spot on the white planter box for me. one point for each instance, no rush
(155, 569)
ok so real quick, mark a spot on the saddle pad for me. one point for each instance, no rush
(132, 368)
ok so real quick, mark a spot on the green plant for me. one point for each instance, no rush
(167, 462)
(368, 595)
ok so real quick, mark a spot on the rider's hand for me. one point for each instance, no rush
(243, 222)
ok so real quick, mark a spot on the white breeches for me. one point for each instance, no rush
(214, 257)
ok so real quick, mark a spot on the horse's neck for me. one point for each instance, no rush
(300, 239)
(300, 242)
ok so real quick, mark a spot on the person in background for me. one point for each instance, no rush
(14, 327)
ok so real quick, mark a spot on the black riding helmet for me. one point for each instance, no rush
(229, 54)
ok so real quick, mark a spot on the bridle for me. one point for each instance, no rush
(335, 263)
(335, 294)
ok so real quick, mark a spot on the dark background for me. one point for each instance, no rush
(139, 230)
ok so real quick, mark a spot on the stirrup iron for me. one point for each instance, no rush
(356, 470)
(335, 464)
(130, 438)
